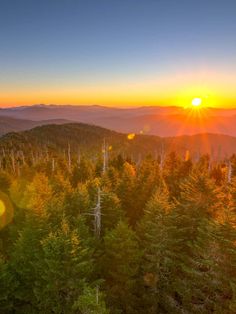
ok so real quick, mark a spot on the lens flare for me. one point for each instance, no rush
(6, 210)
(2, 208)
(131, 136)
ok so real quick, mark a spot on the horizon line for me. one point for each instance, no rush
(109, 107)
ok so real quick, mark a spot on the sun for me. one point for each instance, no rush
(196, 102)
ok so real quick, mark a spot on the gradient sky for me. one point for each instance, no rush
(117, 52)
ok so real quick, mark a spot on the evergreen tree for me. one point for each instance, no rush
(8, 285)
(179, 256)
(148, 179)
(111, 179)
(84, 172)
(225, 264)
(120, 264)
(23, 260)
(155, 243)
(125, 190)
(91, 302)
(192, 271)
(171, 174)
(5, 181)
(111, 211)
(62, 270)
(38, 194)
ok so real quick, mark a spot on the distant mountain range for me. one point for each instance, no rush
(161, 121)
(88, 139)
(9, 124)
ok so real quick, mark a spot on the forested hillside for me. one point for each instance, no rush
(80, 139)
(94, 226)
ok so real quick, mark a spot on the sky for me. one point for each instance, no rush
(117, 52)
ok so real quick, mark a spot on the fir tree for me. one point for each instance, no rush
(155, 242)
(120, 264)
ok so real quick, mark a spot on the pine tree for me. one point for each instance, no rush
(192, 271)
(62, 270)
(225, 265)
(120, 264)
(125, 190)
(5, 181)
(84, 172)
(23, 261)
(91, 302)
(155, 243)
(111, 178)
(8, 285)
(171, 174)
(148, 179)
(38, 194)
(111, 210)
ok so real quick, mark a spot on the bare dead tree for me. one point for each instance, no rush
(13, 161)
(162, 156)
(46, 152)
(105, 156)
(33, 159)
(229, 172)
(139, 159)
(69, 157)
(18, 168)
(97, 295)
(209, 165)
(97, 215)
(23, 157)
(79, 157)
(53, 165)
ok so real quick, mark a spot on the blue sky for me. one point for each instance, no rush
(46, 45)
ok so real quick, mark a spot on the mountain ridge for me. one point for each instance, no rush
(9, 124)
(89, 139)
(161, 121)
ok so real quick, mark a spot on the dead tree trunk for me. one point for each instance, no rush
(97, 215)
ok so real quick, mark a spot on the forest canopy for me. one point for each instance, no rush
(112, 233)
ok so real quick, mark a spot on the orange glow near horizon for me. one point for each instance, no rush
(215, 90)
(114, 100)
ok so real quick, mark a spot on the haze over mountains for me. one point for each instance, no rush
(161, 121)
(9, 124)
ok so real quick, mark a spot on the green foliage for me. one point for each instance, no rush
(148, 179)
(226, 268)
(5, 182)
(111, 211)
(120, 263)
(155, 243)
(167, 240)
(62, 267)
(125, 190)
(192, 269)
(8, 284)
(91, 302)
(171, 173)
